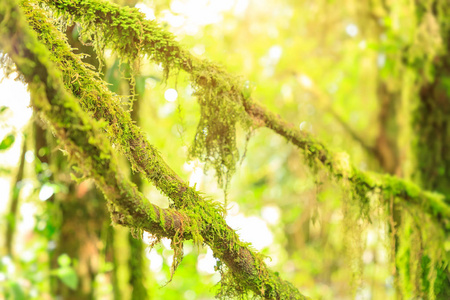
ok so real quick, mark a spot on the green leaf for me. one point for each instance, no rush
(64, 260)
(3, 108)
(7, 141)
(68, 276)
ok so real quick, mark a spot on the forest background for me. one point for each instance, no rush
(322, 127)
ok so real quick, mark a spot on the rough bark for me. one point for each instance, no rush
(116, 23)
(87, 145)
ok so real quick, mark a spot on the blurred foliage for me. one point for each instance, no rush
(320, 65)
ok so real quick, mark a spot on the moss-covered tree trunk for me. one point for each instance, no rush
(83, 210)
(72, 97)
(432, 127)
(82, 214)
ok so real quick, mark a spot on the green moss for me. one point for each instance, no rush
(223, 99)
(223, 104)
(81, 136)
(206, 223)
(126, 31)
(215, 140)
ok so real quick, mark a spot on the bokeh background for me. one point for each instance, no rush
(326, 66)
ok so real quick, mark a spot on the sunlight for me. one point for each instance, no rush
(171, 95)
(189, 16)
(206, 262)
(156, 260)
(271, 214)
(352, 30)
(251, 229)
(17, 99)
(146, 10)
(276, 139)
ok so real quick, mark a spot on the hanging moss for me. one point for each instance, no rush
(131, 36)
(229, 97)
(80, 135)
(214, 87)
(204, 221)
(428, 58)
(127, 32)
(215, 139)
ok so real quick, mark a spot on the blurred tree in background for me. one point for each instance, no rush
(323, 128)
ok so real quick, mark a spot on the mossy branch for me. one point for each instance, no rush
(340, 167)
(86, 145)
(81, 136)
(126, 31)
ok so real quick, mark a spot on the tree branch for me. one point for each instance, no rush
(140, 36)
(81, 136)
(87, 145)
